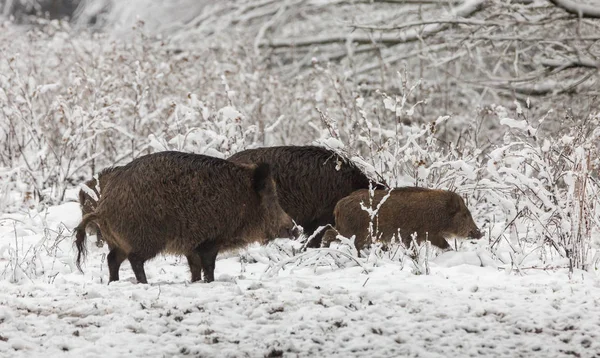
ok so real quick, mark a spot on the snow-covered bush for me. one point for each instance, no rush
(46, 258)
(551, 184)
(73, 103)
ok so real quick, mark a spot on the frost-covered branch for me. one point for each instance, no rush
(431, 22)
(551, 87)
(399, 57)
(581, 10)
(585, 62)
(466, 9)
(336, 38)
(515, 38)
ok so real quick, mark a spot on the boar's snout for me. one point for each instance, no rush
(283, 227)
(289, 229)
(475, 234)
(294, 232)
(286, 233)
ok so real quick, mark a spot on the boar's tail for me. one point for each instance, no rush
(80, 237)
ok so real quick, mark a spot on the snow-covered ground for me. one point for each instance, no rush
(461, 309)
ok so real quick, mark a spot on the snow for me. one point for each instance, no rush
(390, 104)
(230, 113)
(272, 127)
(49, 87)
(513, 123)
(89, 191)
(331, 143)
(470, 304)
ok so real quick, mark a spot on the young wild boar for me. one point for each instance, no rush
(309, 182)
(88, 203)
(438, 214)
(187, 204)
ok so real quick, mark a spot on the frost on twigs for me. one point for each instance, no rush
(553, 183)
(313, 259)
(44, 259)
(301, 257)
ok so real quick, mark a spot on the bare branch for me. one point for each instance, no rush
(572, 63)
(399, 57)
(549, 87)
(401, 2)
(432, 22)
(581, 10)
(266, 25)
(335, 38)
(524, 38)
(468, 8)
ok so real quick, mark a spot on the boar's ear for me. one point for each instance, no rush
(262, 176)
(454, 203)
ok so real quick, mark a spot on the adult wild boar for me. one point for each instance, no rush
(187, 204)
(88, 203)
(310, 181)
(432, 214)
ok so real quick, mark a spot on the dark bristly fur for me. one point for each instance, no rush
(437, 213)
(88, 204)
(308, 182)
(262, 171)
(187, 204)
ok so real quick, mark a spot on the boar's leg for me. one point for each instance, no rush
(115, 258)
(208, 254)
(195, 262)
(137, 264)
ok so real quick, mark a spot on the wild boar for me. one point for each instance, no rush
(88, 203)
(432, 214)
(310, 181)
(187, 204)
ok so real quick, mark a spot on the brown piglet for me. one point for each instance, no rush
(430, 213)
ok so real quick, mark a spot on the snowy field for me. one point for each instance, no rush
(469, 306)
